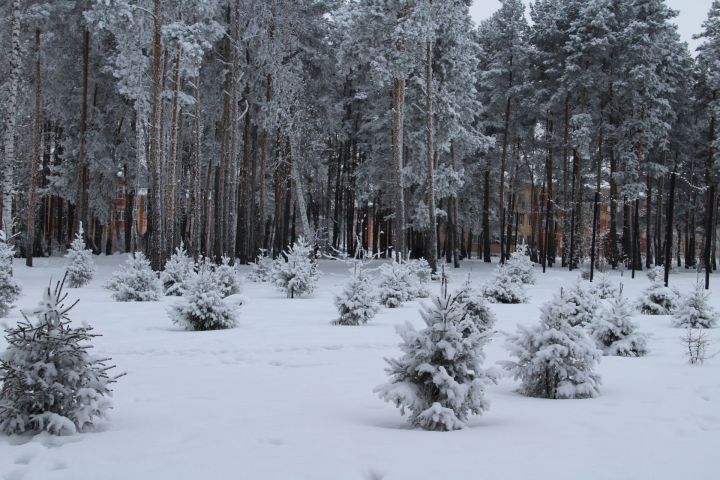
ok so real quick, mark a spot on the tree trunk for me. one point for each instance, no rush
(83, 201)
(8, 174)
(398, 114)
(486, 216)
(197, 204)
(155, 194)
(172, 157)
(30, 240)
(431, 247)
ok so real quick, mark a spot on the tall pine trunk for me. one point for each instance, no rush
(398, 114)
(30, 239)
(155, 193)
(431, 246)
(8, 173)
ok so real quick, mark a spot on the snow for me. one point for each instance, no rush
(286, 395)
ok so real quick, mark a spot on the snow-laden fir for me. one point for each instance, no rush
(504, 287)
(177, 271)
(80, 266)
(227, 278)
(657, 299)
(693, 310)
(358, 301)
(295, 272)
(9, 288)
(396, 285)
(262, 268)
(520, 267)
(614, 331)
(135, 281)
(202, 306)
(584, 303)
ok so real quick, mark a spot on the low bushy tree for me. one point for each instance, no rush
(261, 270)
(135, 281)
(227, 278)
(395, 286)
(358, 302)
(9, 288)
(603, 288)
(48, 379)
(504, 288)
(296, 273)
(693, 310)
(614, 331)
(585, 304)
(202, 306)
(658, 299)
(178, 269)
(474, 307)
(520, 266)
(80, 267)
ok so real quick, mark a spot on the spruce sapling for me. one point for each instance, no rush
(80, 268)
(520, 266)
(9, 287)
(178, 270)
(694, 310)
(202, 306)
(358, 302)
(504, 288)
(394, 289)
(135, 281)
(297, 273)
(614, 331)
(227, 278)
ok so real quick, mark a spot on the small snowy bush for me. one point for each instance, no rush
(358, 302)
(80, 268)
(49, 381)
(202, 306)
(297, 274)
(504, 288)
(261, 270)
(135, 281)
(420, 275)
(603, 288)
(585, 304)
(9, 288)
(555, 359)
(693, 310)
(227, 278)
(439, 379)
(656, 274)
(178, 270)
(395, 287)
(614, 331)
(520, 267)
(657, 299)
(474, 307)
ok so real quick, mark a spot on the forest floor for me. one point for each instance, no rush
(287, 396)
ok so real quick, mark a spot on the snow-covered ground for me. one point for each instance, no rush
(286, 395)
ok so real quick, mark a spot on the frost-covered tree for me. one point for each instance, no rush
(439, 379)
(504, 288)
(420, 274)
(178, 270)
(296, 274)
(49, 380)
(358, 302)
(555, 359)
(693, 310)
(262, 268)
(227, 278)
(603, 288)
(135, 281)
(80, 268)
(474, 307)
(395, 286)
(658, 299)
(520, 266)
(9, 287)
(614, 331)
(202, 306)
(585, 304)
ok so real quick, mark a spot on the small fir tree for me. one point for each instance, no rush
(504, 288)
(603, 288)
(694, 311)
(135, 281)
(297, 273)
(80, 268)
(656, 274)
(474, 307)
(658, 299)
(358, 302)
(395, 287)
(614, 331)
(439, 379)
(178, 270)
(227, 278)
(49, 381)
(584, 302)
(261, 271)
(420, 275)
(520, 266)
(9, 287)
(202, 306)
(555, 359)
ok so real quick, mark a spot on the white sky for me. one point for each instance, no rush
(692, 15)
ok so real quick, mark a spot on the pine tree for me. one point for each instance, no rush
(178, 270)
(81, 268)
(135, 281)
(202, 306)
(227, 278)
(395, 287)
(693, 310)
(420, 274)
(439, 379)
(504, 288)
(614, 331)
(584, 302)
(474, 307)
(603, 288)
(658, 299)
(297, 273)
(9, 287)
(520, 266)
(49, 381)
(555, 359)
(262, 268)
(358, 302)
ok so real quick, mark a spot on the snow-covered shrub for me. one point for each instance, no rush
(135, 281)
(262, 269)
(439, 379)
(227, 278)
(585, 304)
(297, 274)
(9, 288)
(395, 287)
(49, 381)
(658, 299)
(504, 288)
(555, 359)
(358, 302)
(80, 268)
(656, 274)
(603, 288)
(614, 331)
(178, 270)
(693, 310)
(420, 276)
(520, 267)
(202, 306)
(696, 343)
(474, 307)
